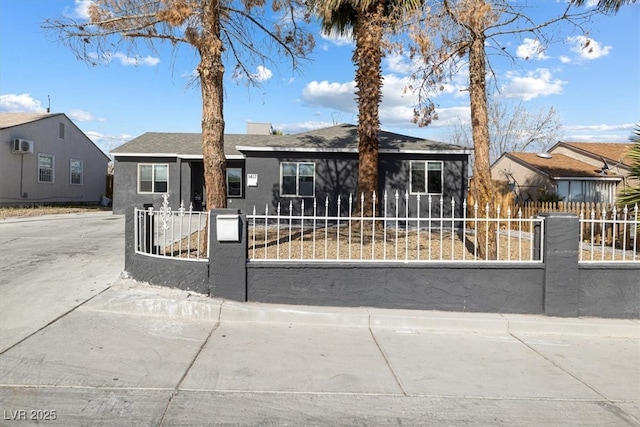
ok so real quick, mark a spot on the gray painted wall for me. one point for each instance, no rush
(19, 172)
(125, 184)
(174, 273)
(336, 175)
(583, 289)
(495, 288)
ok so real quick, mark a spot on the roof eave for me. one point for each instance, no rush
(587, 178)
(176, 155)
(346, 150)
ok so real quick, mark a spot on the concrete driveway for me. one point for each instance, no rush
(53, 263)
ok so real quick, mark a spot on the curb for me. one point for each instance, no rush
(128, 296)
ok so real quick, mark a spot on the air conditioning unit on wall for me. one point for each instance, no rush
(21, 146)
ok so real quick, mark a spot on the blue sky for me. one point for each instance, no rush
(596, 92)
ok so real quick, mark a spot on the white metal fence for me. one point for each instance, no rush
(312, 234)
(179, 234)
(610, 235)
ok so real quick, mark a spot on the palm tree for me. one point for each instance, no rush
(630, 195)
(368, 20)
(606, 5)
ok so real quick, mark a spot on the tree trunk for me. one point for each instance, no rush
(483, 186)
(367, 58)
(211, 73)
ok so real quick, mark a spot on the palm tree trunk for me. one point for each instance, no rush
(367, 58)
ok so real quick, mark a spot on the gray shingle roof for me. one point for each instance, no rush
(8, 120)
(334, 138)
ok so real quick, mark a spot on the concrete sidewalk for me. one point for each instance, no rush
(141, 355)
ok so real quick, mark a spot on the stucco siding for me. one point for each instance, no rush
(19, 172)
(528, 181)
(336, 175)
(125, 193)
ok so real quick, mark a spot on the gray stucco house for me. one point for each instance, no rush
(46, 159)
(265, 169)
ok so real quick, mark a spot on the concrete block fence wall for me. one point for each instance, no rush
(560, 286)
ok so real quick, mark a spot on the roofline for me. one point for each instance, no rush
(525, 164)
(587, 153)
(176, 155)
(559, 177)
(346, 150)
(44, 116)
(587, 178)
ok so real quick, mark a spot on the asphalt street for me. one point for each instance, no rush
(81, 344)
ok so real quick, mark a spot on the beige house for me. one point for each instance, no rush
(574, 171)
(47, 159)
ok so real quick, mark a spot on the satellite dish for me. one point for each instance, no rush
(544, 155)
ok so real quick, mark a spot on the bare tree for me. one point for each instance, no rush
(453, 33)
(514, 127)
(242, 32)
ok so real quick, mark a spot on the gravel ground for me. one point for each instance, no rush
(46, 210)
(390, 244)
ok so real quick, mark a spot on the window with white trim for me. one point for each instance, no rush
(425, 177)
(46, 164)
(297, 179)
(595, 191)
(75, 172)
(234, 182)
(153, 178)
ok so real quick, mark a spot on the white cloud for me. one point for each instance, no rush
(22, 103)
(338, 39)
(336, 96)
(531, 49)
(565, 59)
(262, 74)
(81, 9)
(83, 116)
(129, 60)
(599, 133)
(588, 48)
(397, 63)
(591, 3)
(532, 85)
(108, 142)
(451, 116)
(298, 127)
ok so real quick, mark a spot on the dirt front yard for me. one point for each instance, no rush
(20, 212)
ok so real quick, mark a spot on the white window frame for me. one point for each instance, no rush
(52, 169)
(297, 194)
(71, 162)
(426, 176)
(590, 190)
(153, 178)
(236, 196)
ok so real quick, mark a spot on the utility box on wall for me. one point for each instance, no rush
(228, 228)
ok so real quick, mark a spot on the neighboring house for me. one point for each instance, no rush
(264, 169)
(574, 171)
(45, 158)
